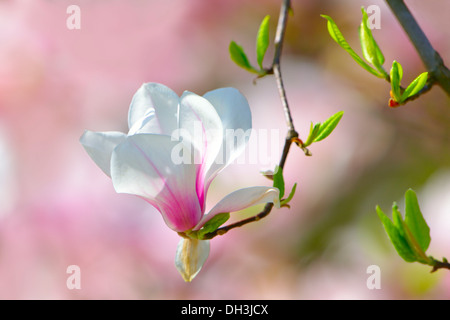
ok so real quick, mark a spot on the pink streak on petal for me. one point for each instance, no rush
(200, 187)
(178, 208)
(178, 218)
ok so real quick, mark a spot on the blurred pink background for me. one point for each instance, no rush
(58, 209)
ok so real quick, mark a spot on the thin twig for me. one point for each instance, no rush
(440, 265)
(279, 39)
(430, 57)
(291, 136)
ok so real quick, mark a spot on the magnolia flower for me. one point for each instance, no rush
(175, 147)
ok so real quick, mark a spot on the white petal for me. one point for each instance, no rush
(100, 145)
(190, 257)
(234, 112)
(147, 124)
(242, 199)
(157, 99)
(144, 165)
(200, 125)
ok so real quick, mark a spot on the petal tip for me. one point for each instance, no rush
(190, 257)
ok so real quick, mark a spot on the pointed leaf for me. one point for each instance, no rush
(400, 243)
(370, 49)
(337, 36)
(414, 245)
(415, 86)
(406, 233)
(214, 223)
(396, 78)
(238, 55)
(291, 195)
(415, 221)
(262, 40)
(397, 219)
(278, 180)
(313, 132)
(328, 126)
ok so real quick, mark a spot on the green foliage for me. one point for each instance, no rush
(278, 182)
(212, 225)
(262, 41)
(313, 132)
(320, 131)
(328, 126)
(370, 49)
(238, 55)
(337, 36)
(415, 221)
(396, 237)
(289, 198)
(374, 56)
(415, 86)
(410, 237)
(396, 78)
